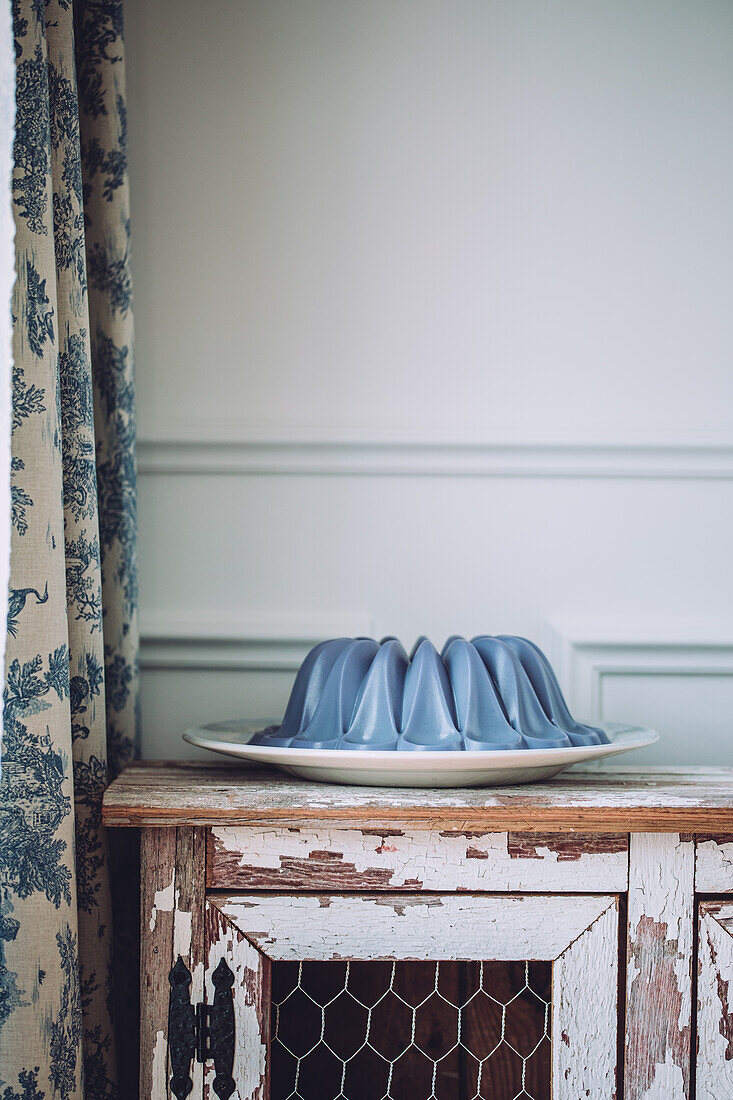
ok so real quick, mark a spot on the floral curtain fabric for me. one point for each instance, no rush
(71, 668)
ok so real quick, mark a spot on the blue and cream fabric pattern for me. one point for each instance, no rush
(70, 700)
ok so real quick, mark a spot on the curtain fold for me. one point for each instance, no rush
(70, 701)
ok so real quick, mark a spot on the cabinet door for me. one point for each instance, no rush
(428, 997)
(714, 997)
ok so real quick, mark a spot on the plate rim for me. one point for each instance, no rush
(421, 759)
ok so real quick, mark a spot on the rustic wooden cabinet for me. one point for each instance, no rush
(346, 943)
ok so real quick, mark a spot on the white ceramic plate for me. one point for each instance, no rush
(413, 769)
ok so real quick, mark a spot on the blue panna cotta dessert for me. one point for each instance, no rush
(487, 694)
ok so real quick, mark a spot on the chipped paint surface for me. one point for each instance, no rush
(668, 1081)
(182, 925)
(163, 901)
(159, 1087)
(580, 933)
(714, 1019)
(157, 859)
(567, 847)
(722, 987)
(182, 945)
(251, 1006)
(333, 859)
(714, 864)
(412, 926)
(659, 967)
(352, 859)
(585, 1012)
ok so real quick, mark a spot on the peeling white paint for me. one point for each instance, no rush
(412, 926)
(668, 1081)
(436, 861)
(714, 866)
(714, 996)
(163, 901)
(197, 994)
(659, 966)
(585, 1013)
(250, 1052)
(183, 946)
(182, 926)
(579, 933)
(159, 1086)
(197, 981)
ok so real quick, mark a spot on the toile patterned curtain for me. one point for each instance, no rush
(70, 701)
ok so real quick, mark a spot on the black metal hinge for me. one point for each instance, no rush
(202, 1032)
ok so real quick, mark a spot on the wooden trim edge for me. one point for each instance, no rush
(655, 819)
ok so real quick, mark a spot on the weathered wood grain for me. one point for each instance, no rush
(251, 991)
(659, 967)
(351, 859)
(411, 926)
(585, 1013)
(188, 917)
(172, 924)
(610, 800)
(158, 859)
(714, 863)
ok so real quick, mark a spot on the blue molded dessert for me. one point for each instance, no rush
(489, 693)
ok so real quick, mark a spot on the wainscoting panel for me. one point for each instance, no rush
(175, 698)
(675, 676)
(242, 574)
(252, 643)
(206, 668)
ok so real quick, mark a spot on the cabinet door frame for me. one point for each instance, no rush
(577, 934)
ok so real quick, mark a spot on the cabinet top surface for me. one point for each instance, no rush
(611, 799)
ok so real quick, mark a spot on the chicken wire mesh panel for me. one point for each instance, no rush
(410, 1031)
